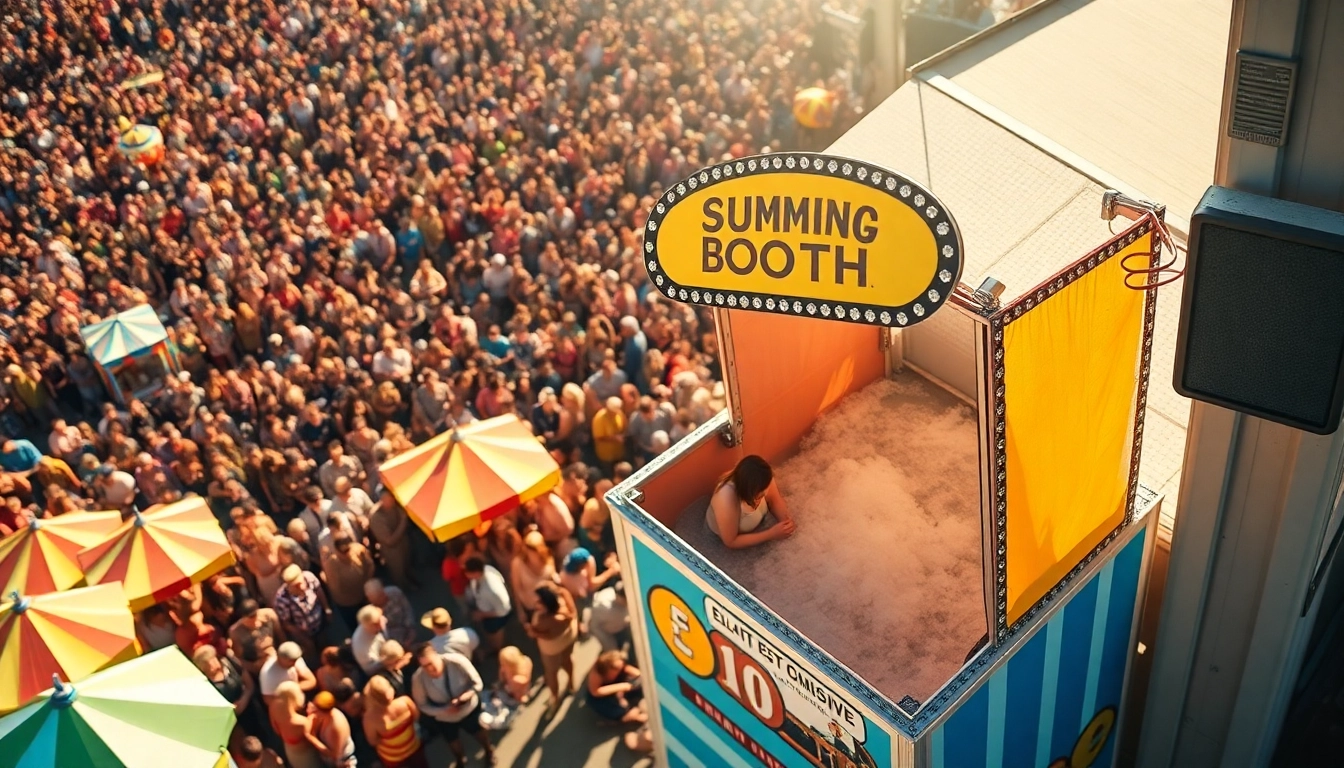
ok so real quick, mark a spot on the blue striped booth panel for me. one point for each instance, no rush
(1056, 702)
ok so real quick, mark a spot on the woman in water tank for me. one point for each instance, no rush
(747, 508)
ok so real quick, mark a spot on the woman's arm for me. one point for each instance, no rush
(597, 582)
(727, 514)
(610, 689)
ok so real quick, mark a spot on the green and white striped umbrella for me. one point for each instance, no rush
(156, 710)
(122, 335)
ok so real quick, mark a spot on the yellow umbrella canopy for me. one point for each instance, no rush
(471, 474)
(41, 557)
(161, 552)
(72, 634)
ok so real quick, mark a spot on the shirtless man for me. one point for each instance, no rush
(332, 729)
(293, 726)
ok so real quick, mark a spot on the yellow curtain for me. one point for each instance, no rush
(1071, 376)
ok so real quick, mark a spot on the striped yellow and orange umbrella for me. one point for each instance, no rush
(161, 552)
(471, 474)
(41, 557)
(72, 634)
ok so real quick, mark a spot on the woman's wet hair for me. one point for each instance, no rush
(750, 477)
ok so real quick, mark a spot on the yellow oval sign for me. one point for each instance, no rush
(805, 234)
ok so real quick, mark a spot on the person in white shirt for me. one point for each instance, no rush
(488, 598)
(447, 689)
(339, 464)
(463, 640)
(392, 363)
(316, 509)
(497, 277)
(285, 663)
(366, 642)
(351, 500)
(336, 522)
(66, 441)
(609, 619)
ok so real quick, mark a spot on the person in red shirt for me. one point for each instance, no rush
(172, 222)
(338, 220)
(195, 632)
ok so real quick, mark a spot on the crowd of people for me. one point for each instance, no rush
(374, 220)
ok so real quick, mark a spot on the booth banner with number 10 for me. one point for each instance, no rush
(731, 693)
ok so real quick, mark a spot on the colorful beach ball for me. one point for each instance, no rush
(142, 144)
(814, 107)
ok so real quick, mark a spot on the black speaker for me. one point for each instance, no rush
(1262, 312)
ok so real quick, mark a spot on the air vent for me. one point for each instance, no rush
(1263, 97)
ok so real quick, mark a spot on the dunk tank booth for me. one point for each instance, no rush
(131, 352)
(962, 588)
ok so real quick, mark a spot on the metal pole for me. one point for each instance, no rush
(889, 39)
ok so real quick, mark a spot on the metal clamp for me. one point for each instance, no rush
(727, 435)
(1115, 202)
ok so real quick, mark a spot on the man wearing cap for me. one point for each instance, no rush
(345, 568)
(302, 606)
(463, 640)
(632, 353)
(545, 416)
(332, 729)
(285, 663)
(447, 689)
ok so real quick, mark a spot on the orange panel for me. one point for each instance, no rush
(790, 370)
(691, 477)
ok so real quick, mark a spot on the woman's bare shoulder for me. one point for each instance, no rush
(725, 493)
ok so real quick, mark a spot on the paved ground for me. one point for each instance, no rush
(572, 739)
